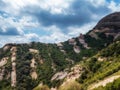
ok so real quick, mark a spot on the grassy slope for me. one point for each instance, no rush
(96, 70)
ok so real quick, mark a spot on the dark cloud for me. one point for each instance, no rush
(80, 13)
(9, 31)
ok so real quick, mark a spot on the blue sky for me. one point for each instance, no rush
(50, 21)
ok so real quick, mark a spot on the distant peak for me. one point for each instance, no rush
(110, 21)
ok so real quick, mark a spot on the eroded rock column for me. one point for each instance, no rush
(13, 73)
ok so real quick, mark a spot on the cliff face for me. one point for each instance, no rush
(110, 21)
(109, 25)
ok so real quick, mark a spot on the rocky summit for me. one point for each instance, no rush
(109, 21)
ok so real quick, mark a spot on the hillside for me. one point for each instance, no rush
(82, 62)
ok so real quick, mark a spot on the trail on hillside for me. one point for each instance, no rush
(103, 82)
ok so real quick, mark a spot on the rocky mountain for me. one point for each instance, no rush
(86, 62)
(111, 21)
(110, 24)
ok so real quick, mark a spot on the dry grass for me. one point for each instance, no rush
(72, 85)
(42, 87)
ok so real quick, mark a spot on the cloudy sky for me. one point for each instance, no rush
(50, 21)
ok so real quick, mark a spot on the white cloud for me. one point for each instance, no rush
(54, 38)
(32, 37)
(22, 23)
(56, 35)
(114, 6)
(9, 22)
(18, 39)
(75, 31)
(97, 3)
(15, 6)
(27, 22)
(54, 6)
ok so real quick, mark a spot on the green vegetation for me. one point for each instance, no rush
(99, 43)
(112, 50)
(51, 60)
(95, 70)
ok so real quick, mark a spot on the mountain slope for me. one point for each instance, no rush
(82, 60)
(102, 65)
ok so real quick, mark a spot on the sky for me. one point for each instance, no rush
(50, 21)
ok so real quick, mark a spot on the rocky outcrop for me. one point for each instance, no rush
(2, 73)
(59, 76)
(13, 73)
(93, 34)
(3, 61)
(33, 64)
(82, 41)
(110, 24)
(6, 47)
(76, 49)
(110, 21)
(60, 46)
(102, 59)
(33, 51)
(72, 41)
(74, 74)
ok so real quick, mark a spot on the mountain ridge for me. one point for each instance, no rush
(29, 65)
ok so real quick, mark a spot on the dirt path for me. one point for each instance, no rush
(103, 82)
